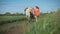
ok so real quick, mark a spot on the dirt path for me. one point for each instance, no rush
(15, 31)
(16, 28)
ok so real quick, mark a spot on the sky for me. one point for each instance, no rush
(18, 6)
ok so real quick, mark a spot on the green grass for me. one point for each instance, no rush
(10, 19)
(47, 24)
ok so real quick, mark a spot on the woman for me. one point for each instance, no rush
(36, 13)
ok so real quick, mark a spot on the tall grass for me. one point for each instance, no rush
(10, 19)
(48, 24)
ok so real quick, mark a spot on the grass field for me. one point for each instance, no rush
(10, 19)
(47, 24)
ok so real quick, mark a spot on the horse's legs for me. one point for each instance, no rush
(28, 18)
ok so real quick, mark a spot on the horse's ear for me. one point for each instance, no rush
(25, 9)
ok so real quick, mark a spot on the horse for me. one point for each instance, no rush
(29, 13)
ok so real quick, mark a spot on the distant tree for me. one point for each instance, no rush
(7, 13)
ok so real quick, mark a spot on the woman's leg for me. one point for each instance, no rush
(36, 19)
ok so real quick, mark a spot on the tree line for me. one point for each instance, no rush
(9, 14)
(18, 14)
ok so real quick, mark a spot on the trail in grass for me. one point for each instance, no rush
(19, 27)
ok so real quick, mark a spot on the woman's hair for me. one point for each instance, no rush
(37, 7)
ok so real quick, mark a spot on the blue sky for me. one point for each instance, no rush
(14, 6)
